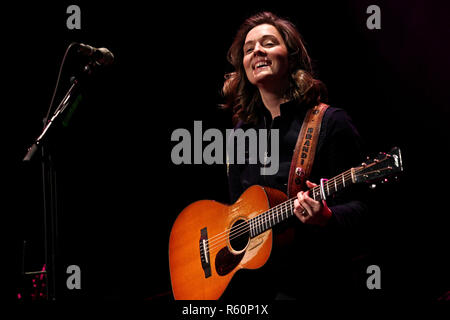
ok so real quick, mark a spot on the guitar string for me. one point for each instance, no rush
(212, 249)
(346, 177)
(264, 219)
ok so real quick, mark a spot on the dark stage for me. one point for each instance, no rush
(118, 190)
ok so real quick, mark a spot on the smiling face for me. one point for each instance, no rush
(265, 56)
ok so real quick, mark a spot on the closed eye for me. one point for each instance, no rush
(248, 50)
(266, 41)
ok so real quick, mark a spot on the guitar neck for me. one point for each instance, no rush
(285, 210)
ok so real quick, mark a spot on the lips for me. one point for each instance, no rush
(260, 63)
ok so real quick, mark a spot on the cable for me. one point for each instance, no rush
(57, 81)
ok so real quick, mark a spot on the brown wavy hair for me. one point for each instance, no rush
(243, 97)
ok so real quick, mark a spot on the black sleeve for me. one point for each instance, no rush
(234, 182)
(235, 187)
(342, 148)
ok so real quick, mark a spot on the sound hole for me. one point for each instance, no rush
(239, 235)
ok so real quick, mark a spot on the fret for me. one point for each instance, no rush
(281, 211)
(277, 214)
(258, 224)
(317, 193)
(266, 221)
(292, 206)
(270, 219)
(262, 221)
(276, 217)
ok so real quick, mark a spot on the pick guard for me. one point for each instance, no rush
(226, 261)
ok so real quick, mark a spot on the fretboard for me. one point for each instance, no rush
(283, 211)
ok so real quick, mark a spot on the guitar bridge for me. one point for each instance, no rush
(204, 252)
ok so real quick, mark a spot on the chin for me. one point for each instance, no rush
(263, 78)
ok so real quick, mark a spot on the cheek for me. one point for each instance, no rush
(282, 61)
(248, 69)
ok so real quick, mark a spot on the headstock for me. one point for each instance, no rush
(385, 165)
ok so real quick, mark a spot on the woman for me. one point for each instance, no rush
(272, 87)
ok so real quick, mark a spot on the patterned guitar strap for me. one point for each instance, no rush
(305, 150)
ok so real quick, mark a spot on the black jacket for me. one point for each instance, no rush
(327, 249)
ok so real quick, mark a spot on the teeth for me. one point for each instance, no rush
(261, 64)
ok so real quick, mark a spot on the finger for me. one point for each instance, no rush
(297, 206)
(299, 212)
(300, 216)
(305, 204)
(307, 197)
(309, 184)
(311, 202)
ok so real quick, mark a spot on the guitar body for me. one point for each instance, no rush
(203, 257)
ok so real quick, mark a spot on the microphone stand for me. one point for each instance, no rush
(49, 187)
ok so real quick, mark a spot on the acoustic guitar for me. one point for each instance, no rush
(209, 241)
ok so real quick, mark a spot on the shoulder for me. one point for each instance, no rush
(336, 114)
(338, 119)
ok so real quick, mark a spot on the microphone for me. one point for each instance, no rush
(101, 56)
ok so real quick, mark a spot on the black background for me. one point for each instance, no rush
(119, 192)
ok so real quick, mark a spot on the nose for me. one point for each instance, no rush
(258, 49)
